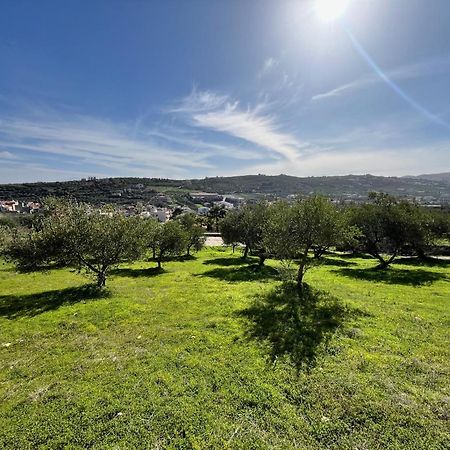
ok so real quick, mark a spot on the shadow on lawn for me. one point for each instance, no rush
(299, 326)
(242, 273)
(427, 262)
(230, 261)
(135, 273)
(336, 262)
(417, 277)
(15, 306)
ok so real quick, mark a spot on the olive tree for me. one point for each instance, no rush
(386, 225)
(195, 233)
(330, 226)
(246, 226)
(170, 239)
(78, 235)
(292, 231)
(230, 228)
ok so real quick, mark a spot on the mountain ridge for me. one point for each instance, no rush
(128, 189)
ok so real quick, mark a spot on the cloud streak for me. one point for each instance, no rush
(224, 115)
(95, 142)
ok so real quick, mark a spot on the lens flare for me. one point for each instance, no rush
(329, 10)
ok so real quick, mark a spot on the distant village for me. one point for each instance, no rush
(204, 200)
(162, 207)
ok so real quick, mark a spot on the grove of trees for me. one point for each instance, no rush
(74, 234)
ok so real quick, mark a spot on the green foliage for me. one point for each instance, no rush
(230, 227)
(246, 226)
(169, 239)
(388, 225)
(75, 234)
(215, 214)
(293, 230)
(195, 234)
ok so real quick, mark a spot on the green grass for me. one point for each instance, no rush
(212, 354)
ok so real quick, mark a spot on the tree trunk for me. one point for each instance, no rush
(421, 254)
(154, 253)
(101, 279)
(159, 263)
(384, 264)
(262, 258)
(188, 250)
(244, 256)
(300, 273)
(318, 252)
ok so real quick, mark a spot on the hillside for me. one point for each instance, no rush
(445, 177)
(129, 190)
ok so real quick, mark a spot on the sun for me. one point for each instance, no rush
(329, 10)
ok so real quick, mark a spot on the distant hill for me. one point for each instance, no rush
(132, 190)
(435, 177)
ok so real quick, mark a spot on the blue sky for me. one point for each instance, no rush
(187, 89)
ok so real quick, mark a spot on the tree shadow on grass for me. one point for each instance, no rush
(136, 273)
(232, 261)
(336, 262)
(393, 275)
(243, 273)
(16, 306)
(296, 325)
(427, 262)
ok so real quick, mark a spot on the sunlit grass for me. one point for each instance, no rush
(207, 354)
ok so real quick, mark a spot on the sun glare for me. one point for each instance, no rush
(329, 10)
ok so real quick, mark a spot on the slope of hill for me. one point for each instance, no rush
(128, 190)
(445, 177)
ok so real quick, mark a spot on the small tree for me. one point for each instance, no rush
(5, 237)
(254, 218)
(194, 232)
(150, 231)
(246, 226)
(170, 239)
(75, 234)
(292, 231)
(330, 226)
(230, 228)
(426, 228)
(385, 225)
(215, 214)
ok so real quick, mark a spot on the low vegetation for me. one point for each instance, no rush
(220, 350)
(209, 353)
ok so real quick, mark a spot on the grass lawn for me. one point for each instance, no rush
(211, 354)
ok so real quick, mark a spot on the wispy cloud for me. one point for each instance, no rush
(422, 69)
(7, 155)
(224, 115)
(198, 101)
(269, 65)
(95, 142)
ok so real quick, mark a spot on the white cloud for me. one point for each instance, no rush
(386, 162)
(198, 101)
(209, 111)
(7, 155)
(268, 66)
(96, 142)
